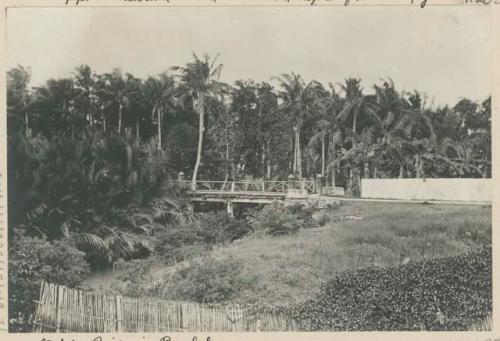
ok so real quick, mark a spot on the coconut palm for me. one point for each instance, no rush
(300, 100)
(19, 98)
(418, 129)
(159, 95)
(85, 85)
(200, 83)
(329, 126)
(116, 91)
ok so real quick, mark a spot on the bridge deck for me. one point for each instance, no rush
(244, 197)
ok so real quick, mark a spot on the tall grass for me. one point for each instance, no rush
(288, 268)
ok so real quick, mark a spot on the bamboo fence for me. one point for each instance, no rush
(61, 309)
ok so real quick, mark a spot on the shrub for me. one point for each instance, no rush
(305, 213)
(185, 240)
(31, 261)
(323, 219)
(275, 219)
(208, 281)
(221, 228)
(133, 277)
(440, 294)
(169, 244)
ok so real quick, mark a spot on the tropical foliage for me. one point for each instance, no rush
(90, 154)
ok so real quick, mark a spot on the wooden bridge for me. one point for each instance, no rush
(249, 191)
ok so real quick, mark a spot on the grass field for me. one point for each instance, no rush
(283, 270)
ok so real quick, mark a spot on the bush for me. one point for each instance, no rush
(221, 228)
(208, 281)
(441, 294)
(133, 277)
(323, 219)
(171, 243)
(275, 220)
(186, 240)
(31, 261)
(305, 213)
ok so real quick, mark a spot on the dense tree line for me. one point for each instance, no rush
(87, 152)
(89, 155)
(254, 129)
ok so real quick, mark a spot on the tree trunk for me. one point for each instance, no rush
(268, 161)
(354, 121)
(295, 151)
(119, 118)
(158, 113)
(308, 162)
(351, 180)
(366, 170)
(137, 132)
(104, 123)
(27, 123)
(201, 128)
(299, 154)
(263, 159)
(375, 171)
(401, 170)
(227, 158)
(323, 156)
(333, 176)
(418, 166)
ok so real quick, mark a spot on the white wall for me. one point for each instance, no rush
(428, 189)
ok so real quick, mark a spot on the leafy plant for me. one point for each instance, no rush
(33, 260)
(209, 281)
(275, 220)
(441, 294)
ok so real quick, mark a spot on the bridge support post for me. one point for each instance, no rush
(230, 211)
(319, 184)
(291, 182)
(180, 176)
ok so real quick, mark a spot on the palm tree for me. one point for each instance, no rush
(116, 91)
(86, 97)
(299, 101)
(388, 106)
(19, 97)
(159, 95)
(200, 83)
(329, 126)
(418, 130)
(353, 101)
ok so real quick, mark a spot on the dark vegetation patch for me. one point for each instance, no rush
(440, 294)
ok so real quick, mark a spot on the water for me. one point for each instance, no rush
(100, 279)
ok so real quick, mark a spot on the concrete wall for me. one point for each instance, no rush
(428, 189)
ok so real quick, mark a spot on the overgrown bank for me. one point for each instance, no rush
(442, 294)
(282, 270)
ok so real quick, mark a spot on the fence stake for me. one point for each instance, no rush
(118, 302)
(182, 317)
(59, 308)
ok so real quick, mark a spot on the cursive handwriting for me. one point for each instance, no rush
(76, 2)
(112, 338)
(422, 3)
(484, 2)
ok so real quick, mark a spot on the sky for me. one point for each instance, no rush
(442, 51)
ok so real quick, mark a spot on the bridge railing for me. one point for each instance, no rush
(264, 186)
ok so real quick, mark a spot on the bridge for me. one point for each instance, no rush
(251, 191)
